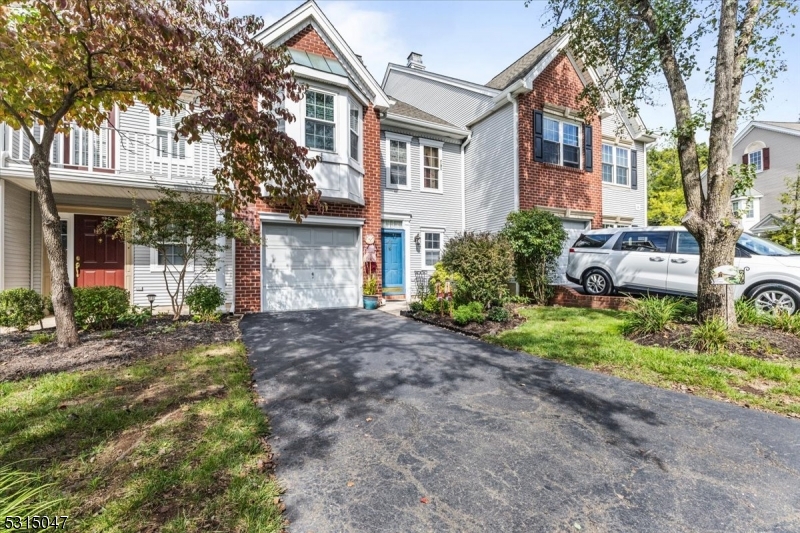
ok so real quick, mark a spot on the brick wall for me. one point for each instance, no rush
(248, 258)
(554, 185)
(568, 297)
(308, 40)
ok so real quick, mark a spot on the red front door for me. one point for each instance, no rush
(99, 259)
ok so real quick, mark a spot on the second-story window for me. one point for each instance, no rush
(622, 166)
(431, 168)
(398, 163)
(355, 132)
(166, 145)
(561, 143)
(608, 164)
(320, 121)
(756, 160)
(79, 139)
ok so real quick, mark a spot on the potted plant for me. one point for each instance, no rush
(371, 292)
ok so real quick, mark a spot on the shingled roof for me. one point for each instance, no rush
(407, 110)
(524, 64)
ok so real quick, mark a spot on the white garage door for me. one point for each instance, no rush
(574, 228)
(309, 267)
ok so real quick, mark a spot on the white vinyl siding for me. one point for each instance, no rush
(17, 235)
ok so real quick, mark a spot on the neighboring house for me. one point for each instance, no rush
(411, 162)
(773, 148)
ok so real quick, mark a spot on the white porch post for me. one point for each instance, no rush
(221, 242)
(2, 232)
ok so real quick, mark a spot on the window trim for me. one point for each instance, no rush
(154, 128)
(614, 148)
(749, 213)
(389, 137)
(306, 118)
(352, 105)
(561, 121)
(424, 234)
(155, 267)
(440, 147)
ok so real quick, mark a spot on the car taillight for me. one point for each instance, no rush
(572, 250)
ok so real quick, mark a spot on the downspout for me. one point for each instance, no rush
(2, 226)
(510, 97)
(30, 278)
(463, 182)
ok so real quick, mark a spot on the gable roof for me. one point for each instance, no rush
(519, 68)
(448, 80)
(407, 110)
(789, 128)
(309, 13)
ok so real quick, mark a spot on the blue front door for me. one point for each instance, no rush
(393, 262)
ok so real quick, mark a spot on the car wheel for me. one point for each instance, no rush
(774, 297)
(597, 283)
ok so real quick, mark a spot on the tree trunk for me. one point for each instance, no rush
(63, 303)
(716, 248)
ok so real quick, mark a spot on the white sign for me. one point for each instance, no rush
(727, 275)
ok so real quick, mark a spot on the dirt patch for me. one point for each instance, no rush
(472, 329)
(112, 348)
(753, 341)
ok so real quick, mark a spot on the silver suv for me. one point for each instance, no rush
(665, 260)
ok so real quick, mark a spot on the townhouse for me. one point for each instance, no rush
(404, 165)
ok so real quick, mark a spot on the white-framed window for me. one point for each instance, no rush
(166, 145)
(320, 119)
(173, 256)
(79, 146)
(398, 149)
(608, 164)
(80, 141)
(744, 209)
(431, 159)
(561, 143)
(616, 165)
(756, 159)
(354, 123)
(432, 249)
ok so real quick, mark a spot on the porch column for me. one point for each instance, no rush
(2, 232)
(220, 280)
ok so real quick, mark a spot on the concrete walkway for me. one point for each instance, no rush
(382, 424)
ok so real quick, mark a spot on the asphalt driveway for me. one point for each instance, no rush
(372, 413)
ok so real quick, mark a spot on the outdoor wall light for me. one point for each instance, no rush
(416, 238)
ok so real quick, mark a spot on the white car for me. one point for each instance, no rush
(665, 260)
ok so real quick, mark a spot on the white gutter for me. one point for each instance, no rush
(464, 183)
(430, 127)
(510, 97)
(499, 101)
(2, 230)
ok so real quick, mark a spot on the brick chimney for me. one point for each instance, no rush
(415, 61)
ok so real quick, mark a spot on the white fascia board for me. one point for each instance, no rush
(768, 127)
(308, 73)
(317, 220)
(539, 67)
(310, 13)
(501, 100)
(424, 126)
(461, 84)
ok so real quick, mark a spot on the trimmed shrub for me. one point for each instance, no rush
(651, 314)
(748, 314)
(498, 314)
(416, 306)
(711, 336)
(99, 307)
(135, 316)
(537, 240)
(21, 308)
(204, 300)
(484, 261)
(471, 312)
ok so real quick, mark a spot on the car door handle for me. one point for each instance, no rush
(656, 259)
(680, 260)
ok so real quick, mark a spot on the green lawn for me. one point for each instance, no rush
(593, 339)
(171, 444)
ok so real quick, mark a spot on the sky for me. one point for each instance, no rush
(475, 39)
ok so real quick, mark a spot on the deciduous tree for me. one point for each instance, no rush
(73, 61)
(635, 45)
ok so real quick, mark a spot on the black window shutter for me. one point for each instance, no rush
(765, 159)
(588, 152)
(634, 171)
(538, 134)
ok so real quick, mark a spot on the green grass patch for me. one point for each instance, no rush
(593, 339)
(172, 444)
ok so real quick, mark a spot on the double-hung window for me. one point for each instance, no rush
(433, 248)
(744, 209)
(398, 163)
(320, 121)
(172, 255)
(431, 152)
(166, 145)
(561, 143)
(756, 160)
(616, 165)
(355, 132)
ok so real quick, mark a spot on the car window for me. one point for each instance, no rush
(644, 241)
(759, 246)
(687, 244)
(592, 241)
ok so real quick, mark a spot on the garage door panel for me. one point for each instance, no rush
(310, 267)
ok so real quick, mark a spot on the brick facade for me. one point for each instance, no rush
(569, 297)
(544, 184)
(308, 40)
(248, 258)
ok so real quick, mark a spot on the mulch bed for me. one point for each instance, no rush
(472, 329)
(111, 348)
(754, 341)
